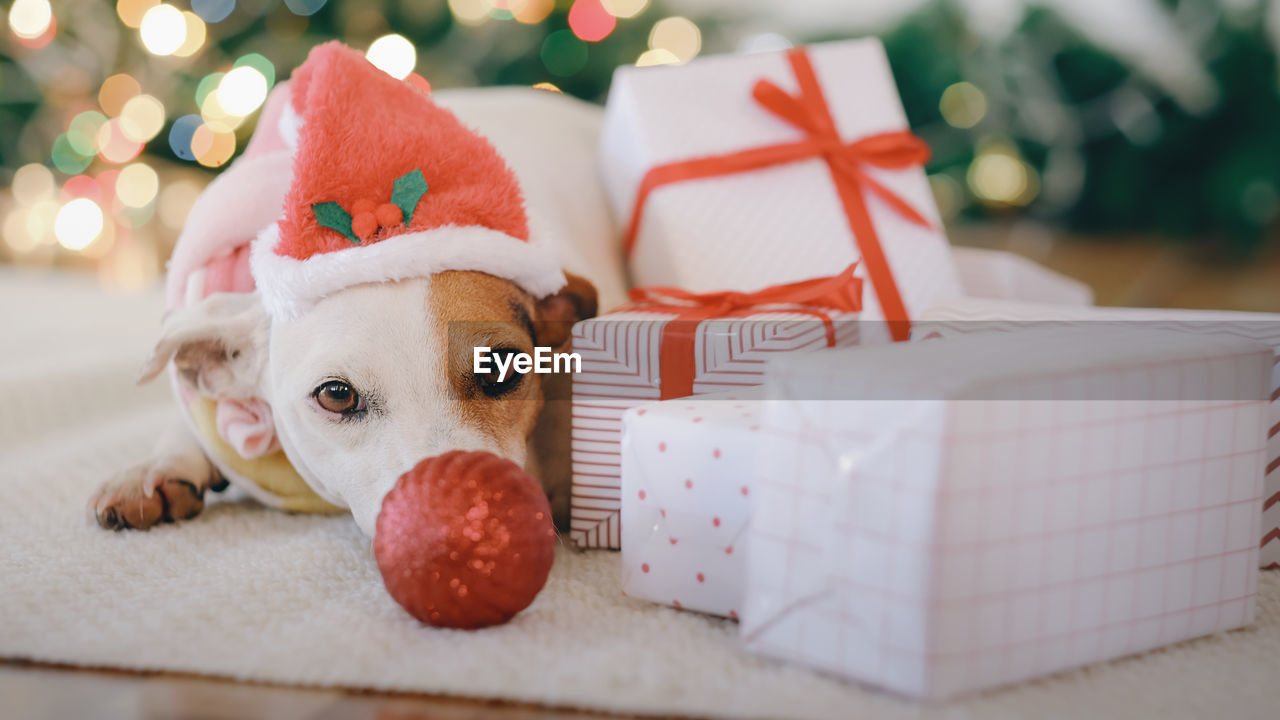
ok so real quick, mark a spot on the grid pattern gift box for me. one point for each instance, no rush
(966, 316)
(746, 171)
(687, 470)
(983, 509)
(671, 344)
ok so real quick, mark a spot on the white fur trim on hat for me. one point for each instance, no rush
(290, 287)
(289, 125)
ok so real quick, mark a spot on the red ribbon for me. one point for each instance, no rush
(847, 162)
(677, 353)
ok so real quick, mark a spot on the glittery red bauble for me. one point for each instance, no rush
(465, 540)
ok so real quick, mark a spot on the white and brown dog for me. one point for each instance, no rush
(320, 361)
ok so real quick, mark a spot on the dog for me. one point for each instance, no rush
(374, 377)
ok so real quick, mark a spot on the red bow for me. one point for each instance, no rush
(677, 354)
(808, 112)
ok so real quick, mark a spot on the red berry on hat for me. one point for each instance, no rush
(364, 225)
(388, 215)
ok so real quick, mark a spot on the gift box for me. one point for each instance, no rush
(687, 470)
(973, 521)
(673, 344)
(747, 171)
(972, 315)
(1001, 275)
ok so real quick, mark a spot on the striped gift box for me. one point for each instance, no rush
(973, 316)
(620, 370)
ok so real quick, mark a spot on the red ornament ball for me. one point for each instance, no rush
(465, 540)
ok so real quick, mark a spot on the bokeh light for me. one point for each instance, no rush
(212, 11)
(304, 7)
(394, 55)
(114, 146)
(78, 224)
(142, 118)
(180, 135)
(549, 87)
(999, 177)
(17, 234)
(29, 19)
(242, 90)
(470, 12)
(625, 8)
(66, 159)
(963, 105)
(137, 185)
(590, 21)
(261, 64)
(678, 36)
(532, 12)
(81, 186)
(208, 84)
(657, 56)
(163, 29)
(42, 39)
(216, 116)
(32, 183)
(83, 130)
(116, 91)
(212, 148)
(563, 53)
(131, 11)
(195, 36)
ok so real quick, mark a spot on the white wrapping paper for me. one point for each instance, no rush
(688, 466)
(973, 315)
(954, 534)
(768, 226)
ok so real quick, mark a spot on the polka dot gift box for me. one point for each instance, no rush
(944, 516)
(687, 471)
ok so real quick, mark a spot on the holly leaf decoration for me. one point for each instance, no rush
(331, 215)
(407, 191)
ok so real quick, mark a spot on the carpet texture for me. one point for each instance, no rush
(249, 593)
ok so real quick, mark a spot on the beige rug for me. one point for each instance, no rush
(248, 593)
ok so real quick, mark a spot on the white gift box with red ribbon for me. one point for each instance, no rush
(746, 171)
(687, 470)
(972, 523)
(966, 316)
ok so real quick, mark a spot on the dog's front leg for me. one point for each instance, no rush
(167, 487)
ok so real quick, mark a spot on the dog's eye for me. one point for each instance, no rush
(489, 383)
(337, 396)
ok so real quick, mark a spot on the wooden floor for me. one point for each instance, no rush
(1138, 272)
(39, 692)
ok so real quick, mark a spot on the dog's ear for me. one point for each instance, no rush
(218, 346)
(557, 313)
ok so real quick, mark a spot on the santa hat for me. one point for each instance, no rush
(389, 186)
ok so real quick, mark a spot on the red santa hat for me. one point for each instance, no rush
(389, 186)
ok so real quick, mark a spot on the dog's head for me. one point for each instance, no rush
(378, 376)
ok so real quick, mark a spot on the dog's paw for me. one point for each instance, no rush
(143, 496)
